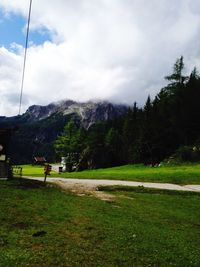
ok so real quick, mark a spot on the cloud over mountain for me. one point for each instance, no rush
(98, 49)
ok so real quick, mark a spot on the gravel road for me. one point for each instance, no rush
(93, 184)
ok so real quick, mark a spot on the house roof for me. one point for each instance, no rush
(39, 159)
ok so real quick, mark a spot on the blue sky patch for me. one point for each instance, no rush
(12, 31)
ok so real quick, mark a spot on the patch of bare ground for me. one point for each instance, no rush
(81, 189)
(126, 197)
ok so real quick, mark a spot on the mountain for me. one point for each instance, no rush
(39, 126)
(86, 114)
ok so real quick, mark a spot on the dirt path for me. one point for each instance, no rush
(90, 186)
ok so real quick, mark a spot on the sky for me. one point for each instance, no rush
(114, 50)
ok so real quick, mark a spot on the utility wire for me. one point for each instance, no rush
(25, 54)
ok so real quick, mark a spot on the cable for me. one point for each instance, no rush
(25, 54)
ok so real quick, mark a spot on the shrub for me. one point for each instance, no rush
(187, 153)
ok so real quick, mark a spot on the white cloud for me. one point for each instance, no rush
(118, 50)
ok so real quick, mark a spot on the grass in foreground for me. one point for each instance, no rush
(183, 174)
(42, 226)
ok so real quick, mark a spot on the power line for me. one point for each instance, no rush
(25, 54)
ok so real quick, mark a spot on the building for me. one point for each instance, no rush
(39, 160)
(5, 135)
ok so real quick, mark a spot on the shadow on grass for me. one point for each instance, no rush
(142, 189)
(23, 183)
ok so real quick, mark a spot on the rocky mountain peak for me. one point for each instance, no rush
(88, 113)
(37, 112)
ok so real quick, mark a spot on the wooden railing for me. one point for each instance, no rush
(3, 170)
(16, 171)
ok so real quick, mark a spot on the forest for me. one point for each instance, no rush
(167, 126)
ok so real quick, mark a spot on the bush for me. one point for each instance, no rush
(187, 153)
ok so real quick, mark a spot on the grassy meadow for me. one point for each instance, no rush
(42, 226)
(181, 174)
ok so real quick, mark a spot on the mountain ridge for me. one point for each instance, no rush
(40, 126)
(87, 113)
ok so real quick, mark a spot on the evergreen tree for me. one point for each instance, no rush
(177, 77)
(113, 143)
(70, 141)
(130, 134)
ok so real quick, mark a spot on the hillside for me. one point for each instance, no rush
(86, 114)
(39, 126)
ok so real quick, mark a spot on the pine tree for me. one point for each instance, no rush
(177, 77)
(113, 142)
(70, 141)
(130, 133)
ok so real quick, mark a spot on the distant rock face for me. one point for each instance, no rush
(88, 113)
(39, 126)
(36, 112)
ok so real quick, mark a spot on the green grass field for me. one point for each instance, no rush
(183, 174)
(42, 226)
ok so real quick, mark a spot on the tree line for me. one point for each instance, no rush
(144, 135)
